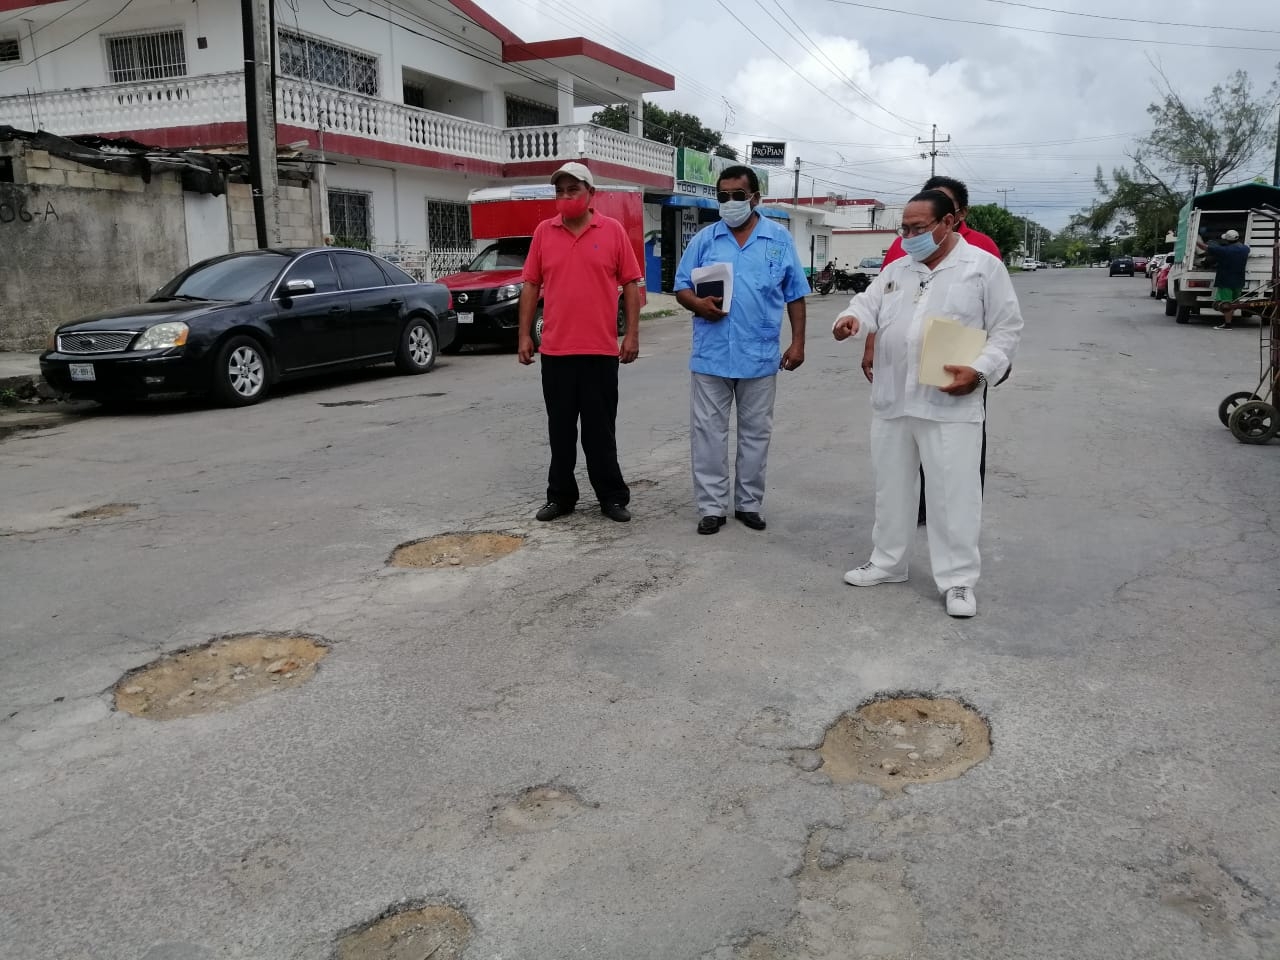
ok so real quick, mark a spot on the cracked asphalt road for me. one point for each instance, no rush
(1124, 653)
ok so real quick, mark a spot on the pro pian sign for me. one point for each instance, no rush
(769, 153)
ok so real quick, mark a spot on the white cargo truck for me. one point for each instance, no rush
(1213, 214)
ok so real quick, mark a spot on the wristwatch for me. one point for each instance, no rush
(982, 379)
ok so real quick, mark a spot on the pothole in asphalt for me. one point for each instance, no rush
(540, 808)
(107, 511)
(455, 550)
(217, 675)
(408, 932)
(908, 738)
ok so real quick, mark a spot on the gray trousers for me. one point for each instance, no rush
(709, 401)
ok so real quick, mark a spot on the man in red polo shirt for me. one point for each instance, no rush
(959, 194)
(577, 261)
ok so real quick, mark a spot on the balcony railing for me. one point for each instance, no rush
(219, 98)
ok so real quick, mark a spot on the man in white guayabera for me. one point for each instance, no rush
(913, 423)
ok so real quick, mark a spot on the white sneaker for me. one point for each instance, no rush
(868, 575)
(961, 602)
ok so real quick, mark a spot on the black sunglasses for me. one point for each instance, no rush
(724, 196)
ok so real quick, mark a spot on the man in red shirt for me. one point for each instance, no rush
(959, 194)
(577, 261)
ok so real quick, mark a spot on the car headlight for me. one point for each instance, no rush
(510, 291)
(52, 342)
(172, 334)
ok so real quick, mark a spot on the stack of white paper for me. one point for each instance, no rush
(714, 273)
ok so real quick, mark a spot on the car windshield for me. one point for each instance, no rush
(507, 254)
(871, 262)
(232, 278)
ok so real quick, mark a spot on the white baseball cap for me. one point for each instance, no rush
(1231, 236)
(579, 171)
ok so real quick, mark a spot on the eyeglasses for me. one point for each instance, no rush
(724, 196)
(916, 231)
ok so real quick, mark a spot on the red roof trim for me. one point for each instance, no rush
(7, 5)
(481, 19)
(885, 230)
(582, 47)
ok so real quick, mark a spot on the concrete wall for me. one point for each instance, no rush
(298, 215)
(399, 196)
(77, 240)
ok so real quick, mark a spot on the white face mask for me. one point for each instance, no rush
(735, 212)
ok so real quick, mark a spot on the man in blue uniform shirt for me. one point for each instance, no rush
(736, 354)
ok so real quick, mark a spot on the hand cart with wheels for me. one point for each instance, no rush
(1255, 417)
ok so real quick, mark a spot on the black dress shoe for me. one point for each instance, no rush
(552, 510)
(710, 524)
(750, 518)
(615, 511)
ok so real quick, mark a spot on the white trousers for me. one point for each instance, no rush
(953, 496)
(709, 402)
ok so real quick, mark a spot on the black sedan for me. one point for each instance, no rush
(234, 325)
(1121, 265)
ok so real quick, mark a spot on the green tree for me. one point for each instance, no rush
(998, 224)
(667, 126)
(1217, 137)
(1138, 203)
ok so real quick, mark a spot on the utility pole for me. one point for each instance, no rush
(933, 151)
(1024, 235)
(1275, 171)
(1006, 193)
(795, 201)
(257, 24)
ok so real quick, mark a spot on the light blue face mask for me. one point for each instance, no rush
(920, 247)
(735, 212)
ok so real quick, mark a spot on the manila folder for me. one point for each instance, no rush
(948, 343)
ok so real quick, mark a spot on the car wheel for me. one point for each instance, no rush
(242, 372)
(417, 353)
(536, 329)
(622, 319)
(1170, 306)
(1182, 313)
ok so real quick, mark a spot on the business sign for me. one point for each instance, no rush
(695, 170)
(769, 153)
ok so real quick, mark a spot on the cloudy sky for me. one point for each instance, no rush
(851, 87)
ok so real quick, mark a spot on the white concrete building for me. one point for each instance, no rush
(414, 102)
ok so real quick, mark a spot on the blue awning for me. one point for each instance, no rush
(688, 200)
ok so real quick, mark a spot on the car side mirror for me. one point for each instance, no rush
(295, 287)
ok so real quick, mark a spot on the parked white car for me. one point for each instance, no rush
(870, 266)
(1029, 263)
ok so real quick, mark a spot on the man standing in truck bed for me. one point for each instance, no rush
(577, 261)
(1228, 280)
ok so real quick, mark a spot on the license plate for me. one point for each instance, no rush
(83, 371)
(466, 317)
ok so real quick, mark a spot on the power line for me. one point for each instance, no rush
(18, 16)
(1102, 16)
(1055, 33)
(793, 69)
(833, 68)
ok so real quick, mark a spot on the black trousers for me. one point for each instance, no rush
(583, 388)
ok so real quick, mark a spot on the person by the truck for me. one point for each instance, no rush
(577, 260)
(1231, 256)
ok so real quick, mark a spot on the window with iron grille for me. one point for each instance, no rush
(350, 218)
(10, 50)
(820, 248)
(155, 55)
(529, 113)
(448, 224)
(319, 61)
